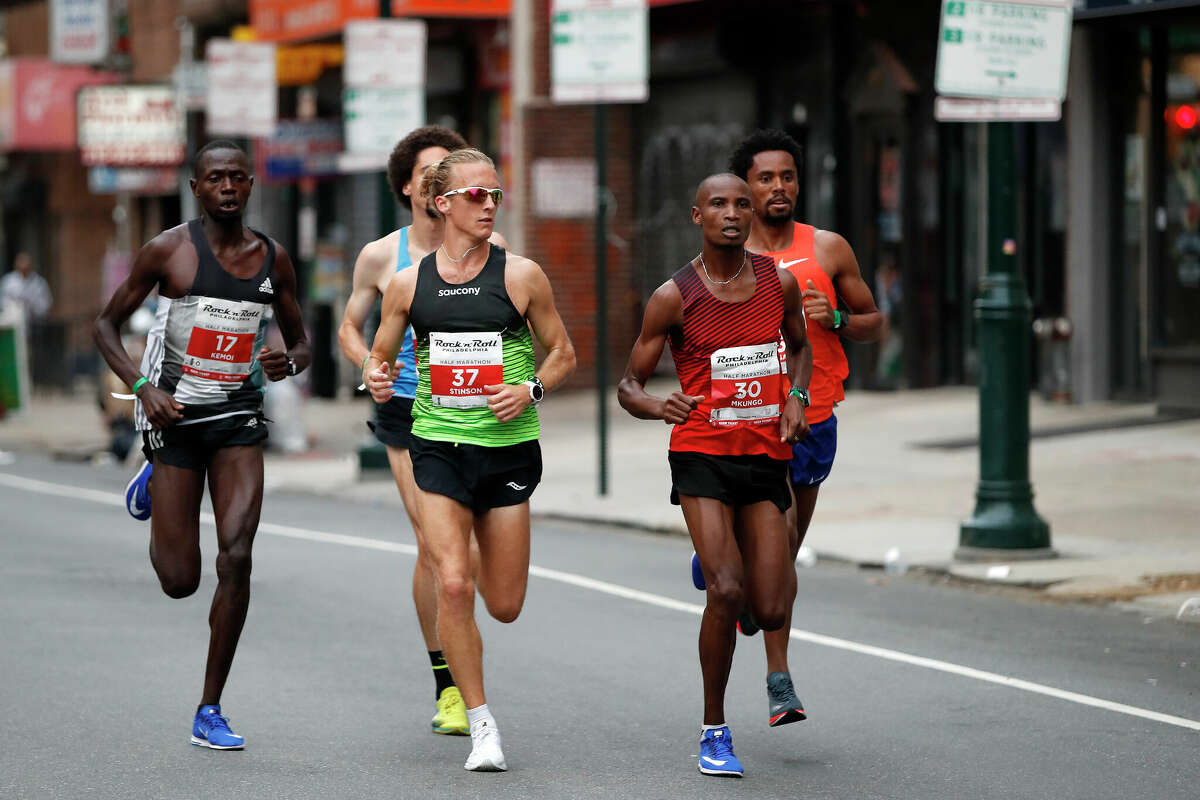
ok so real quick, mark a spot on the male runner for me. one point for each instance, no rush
(735, 419)
(376, 264)
(199, 396)
(824, 265)
(474, 448)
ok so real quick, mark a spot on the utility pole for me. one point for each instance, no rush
(1005, 525)
(601, 144)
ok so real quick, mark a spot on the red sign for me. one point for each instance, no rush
(298, 20)
(37, 103)
(451, 8)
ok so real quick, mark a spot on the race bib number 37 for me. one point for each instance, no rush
(747, 385)
(461, 364)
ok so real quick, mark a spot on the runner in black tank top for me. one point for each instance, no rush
(200, 399)
(734, 420)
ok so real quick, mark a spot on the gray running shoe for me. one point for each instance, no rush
(784, 706)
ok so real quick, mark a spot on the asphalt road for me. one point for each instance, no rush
(914, 690)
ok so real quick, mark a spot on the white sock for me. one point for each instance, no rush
(704, 728)
(480, 715)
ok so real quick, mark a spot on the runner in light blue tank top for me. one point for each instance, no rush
(406, 377)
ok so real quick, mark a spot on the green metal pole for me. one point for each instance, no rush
(601, 142)
(1005, 525)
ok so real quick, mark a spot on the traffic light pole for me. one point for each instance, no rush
(1005, 525)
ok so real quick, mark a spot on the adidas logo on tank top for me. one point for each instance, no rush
(265, 286)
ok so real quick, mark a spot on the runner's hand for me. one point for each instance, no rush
(679, 406)
(817, 306)
(379, 383)
(274, 362)
(508, 400)
(161, 408)
(792, 425)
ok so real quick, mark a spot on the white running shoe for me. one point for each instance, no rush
(486, 755)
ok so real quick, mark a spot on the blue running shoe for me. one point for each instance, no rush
(698, 574)
(137, 493)
(716, 754)
(210, 729)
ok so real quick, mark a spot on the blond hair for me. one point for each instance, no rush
(436, 180)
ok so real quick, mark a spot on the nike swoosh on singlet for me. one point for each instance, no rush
(786, 264)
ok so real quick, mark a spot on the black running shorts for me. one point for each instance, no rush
(191, 446)
(481, 478)
(734, 480)
(393, 422)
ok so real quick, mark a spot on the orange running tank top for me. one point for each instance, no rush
(830, 367)
(730, 353)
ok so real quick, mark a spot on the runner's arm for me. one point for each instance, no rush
(663, 312)
(792, 424)
(287, 315)
(393, 322)
(363, 293)
(149, 269)
(865, 323)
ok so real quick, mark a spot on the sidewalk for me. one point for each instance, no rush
(1117, 486)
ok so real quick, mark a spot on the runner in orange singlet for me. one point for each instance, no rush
(837, 303)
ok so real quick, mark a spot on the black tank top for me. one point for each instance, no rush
(203, 345)
(480, 304)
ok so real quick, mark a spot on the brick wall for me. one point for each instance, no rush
(565, 248)
(27, 30)
(153, 39)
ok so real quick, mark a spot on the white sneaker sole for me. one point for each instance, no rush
(205, 743)
(720, 773)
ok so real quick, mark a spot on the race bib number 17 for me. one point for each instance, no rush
(747, 385)
(461, 364)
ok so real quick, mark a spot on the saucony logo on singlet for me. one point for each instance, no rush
(265, 286)
(786, 264)
(459, 290)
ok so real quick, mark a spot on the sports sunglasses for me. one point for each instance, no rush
(477, 193)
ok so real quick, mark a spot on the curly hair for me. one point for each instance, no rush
(404, 155)
(762, 141)
(436, 180)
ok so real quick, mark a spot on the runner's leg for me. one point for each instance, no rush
(424, 584)
(235, 482)
(799, 516)
(763, 540)
(446, 529)
(175, 527)
(710, 523)
(503, 535)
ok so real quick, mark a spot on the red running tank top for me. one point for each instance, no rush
(830, 367)
(731, 354)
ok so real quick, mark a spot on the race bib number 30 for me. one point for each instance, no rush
(747, 385)
(221, 347)
(461, 364)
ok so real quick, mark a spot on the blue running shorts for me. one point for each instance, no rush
(812, 456)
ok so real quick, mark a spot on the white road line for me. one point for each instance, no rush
(624, 592)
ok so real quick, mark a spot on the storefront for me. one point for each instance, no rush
(1138, 67)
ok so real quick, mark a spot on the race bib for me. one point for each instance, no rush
(747, 385)
(221, 347)
(461, 364)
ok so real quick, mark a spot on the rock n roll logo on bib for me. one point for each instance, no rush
(747, 385)
(461, 364)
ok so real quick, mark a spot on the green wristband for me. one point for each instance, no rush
(139, 383)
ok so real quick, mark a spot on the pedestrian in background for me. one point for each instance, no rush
(27, 289)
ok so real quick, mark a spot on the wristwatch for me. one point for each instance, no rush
(802, 394)
(537, 392)
(291, 366)
(840, 318)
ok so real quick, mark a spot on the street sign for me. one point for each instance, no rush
(136, 180)
(1004, 48)
(302, 148)
(385, 54)
(599, 51)
(242, 93)
(375, 119)
(130, 126)
(989, 109)
(79, 31)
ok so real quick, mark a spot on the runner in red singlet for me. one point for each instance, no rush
(837, 303)
(739, 410)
